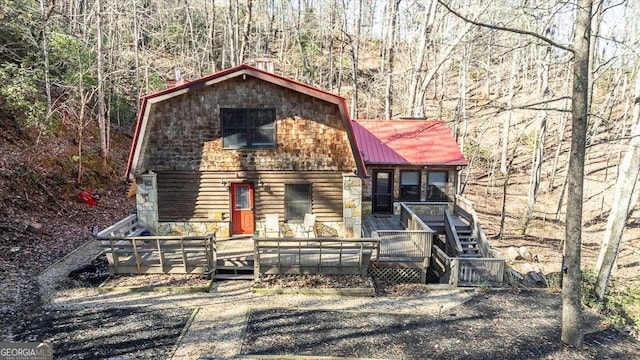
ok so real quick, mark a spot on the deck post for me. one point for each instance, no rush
(256, 259)
(160, 254)
(184, 255)
(136, 255)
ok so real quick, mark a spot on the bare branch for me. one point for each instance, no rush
(513, 30)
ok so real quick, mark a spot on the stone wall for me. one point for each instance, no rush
(194, 228)
(352, 205)
(147, 201)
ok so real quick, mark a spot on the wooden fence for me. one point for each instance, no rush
(129, 253)
(313, 255)
(404, 243)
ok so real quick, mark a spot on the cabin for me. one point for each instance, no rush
(409, 160)
(219, 154)
(245, 173)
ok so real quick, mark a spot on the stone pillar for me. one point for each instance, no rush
(147, 201)
(352, 205)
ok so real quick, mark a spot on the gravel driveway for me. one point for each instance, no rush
(231, 321)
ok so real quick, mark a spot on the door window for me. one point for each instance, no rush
(243, 200)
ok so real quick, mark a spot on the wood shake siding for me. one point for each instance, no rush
(184, 132)
(194, 195)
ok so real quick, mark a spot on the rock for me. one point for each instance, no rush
(513, 254)
(525, 254)
(33, 227)
(533, 274)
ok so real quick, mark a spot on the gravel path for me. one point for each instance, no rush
(231, 321)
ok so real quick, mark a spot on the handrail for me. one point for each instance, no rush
(468, 207)
(413, 222)
(418, 244)
(452, 235)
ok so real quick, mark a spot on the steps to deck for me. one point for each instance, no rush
(470, 248)
(234, 269)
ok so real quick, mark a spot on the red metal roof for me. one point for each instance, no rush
(418, 142)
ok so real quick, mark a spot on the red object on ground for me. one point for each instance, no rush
(88, 198)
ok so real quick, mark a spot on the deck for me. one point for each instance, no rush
(371, 223)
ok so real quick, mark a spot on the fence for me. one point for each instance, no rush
(129, 253)
(404, 243)
(313, 255)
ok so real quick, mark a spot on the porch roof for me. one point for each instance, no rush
(407, 142)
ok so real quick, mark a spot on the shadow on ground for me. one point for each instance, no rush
(502, 325)
(135, 333)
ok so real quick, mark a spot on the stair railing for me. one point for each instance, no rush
(465, 208)
(453, 241)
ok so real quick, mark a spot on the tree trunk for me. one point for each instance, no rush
(392, 13)
(538, 152)
(506, 124)
(45, 55)
(572, 279)
(102, 121)
(623, 198)
(425, 27)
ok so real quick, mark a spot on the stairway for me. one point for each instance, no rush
(234, 269)
(470, 248)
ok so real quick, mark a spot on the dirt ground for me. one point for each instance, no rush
(498, 326)
(99, 333)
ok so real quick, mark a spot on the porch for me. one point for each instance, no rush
(425, 242)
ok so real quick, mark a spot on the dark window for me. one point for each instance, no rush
(410, 185)
(248, 128)
(437, 185)
(297, 201)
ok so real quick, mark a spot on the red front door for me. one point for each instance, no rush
(242, 208)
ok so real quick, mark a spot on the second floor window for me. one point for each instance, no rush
(248, 128)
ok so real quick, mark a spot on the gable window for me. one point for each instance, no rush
(410, 185)
(437, 185)
(297, 201)
(248, 128)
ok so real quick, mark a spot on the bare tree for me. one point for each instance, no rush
(624, 196)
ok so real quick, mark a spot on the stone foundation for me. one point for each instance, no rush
(194, 228)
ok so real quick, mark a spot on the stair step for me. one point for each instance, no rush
(231, 263)
(235, 268)
(234, 277)
(470, 255)
(468, 243)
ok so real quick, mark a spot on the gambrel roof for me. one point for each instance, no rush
(243, 70)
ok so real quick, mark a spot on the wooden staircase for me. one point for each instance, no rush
(234, 269)
(470, 247)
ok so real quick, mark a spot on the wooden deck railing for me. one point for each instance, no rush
(428, 212)
(321, 255)
(410, 219)
(453, 241)
(441, 263)
(129, 253)
(404, 243)
(477, 271)
(158, 254)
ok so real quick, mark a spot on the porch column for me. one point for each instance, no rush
(147, 201)
(352, 205)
